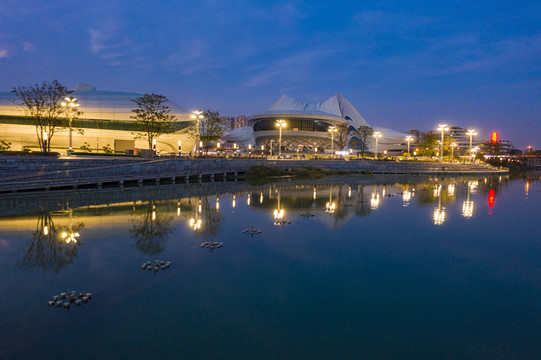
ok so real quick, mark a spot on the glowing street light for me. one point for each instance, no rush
(197, 115)
(377, 135)
(71, 103)
(154, 145)
(332, 130)
(179, 148)
(471, 133)
(453, 145)
(443, 128)
(409, 139)
(45, 142)
(281, 124)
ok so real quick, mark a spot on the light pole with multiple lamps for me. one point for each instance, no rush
(471, 133)
(197, 115)
(409, 139)
(443, 128)
(71, 103)
(332, 130)
(281, 124)
(377, 135)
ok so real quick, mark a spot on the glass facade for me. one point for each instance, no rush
(292, 124)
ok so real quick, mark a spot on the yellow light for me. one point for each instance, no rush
(315, 194)
(248, 200)
(45, 230)
(153, 215)
(467, 209)
(439, 216)
(261, 198)
(234, 202)
(374, 201)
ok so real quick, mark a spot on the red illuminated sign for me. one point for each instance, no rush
(494, 137)
(491, 198)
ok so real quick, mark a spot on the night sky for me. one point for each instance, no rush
(403, 64)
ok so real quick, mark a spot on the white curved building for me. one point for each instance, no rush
(105, 117)
(308, 125)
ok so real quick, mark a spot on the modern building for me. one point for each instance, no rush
(307, 127)
(105, 117)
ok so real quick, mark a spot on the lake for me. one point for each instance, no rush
(361, 267)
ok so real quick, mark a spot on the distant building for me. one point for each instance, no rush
(235, 122)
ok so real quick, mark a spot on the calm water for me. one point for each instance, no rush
(410, 269)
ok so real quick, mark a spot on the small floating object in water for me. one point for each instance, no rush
(50, 302)
(88, 295)
(62, 295)
(58, 303)
(56, 297)
(66, 305)
(78, 302)
(85, 299)
(307, 215)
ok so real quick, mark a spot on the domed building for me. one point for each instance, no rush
(105, 117)
(307, 127)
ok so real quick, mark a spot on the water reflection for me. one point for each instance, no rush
(205, 220)
(51, 247)
(151, 229)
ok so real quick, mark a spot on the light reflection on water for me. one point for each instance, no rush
(380, 270)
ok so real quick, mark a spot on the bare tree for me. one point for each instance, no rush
(341, 137)
(42, 102)
(364, 134)
(153, 117)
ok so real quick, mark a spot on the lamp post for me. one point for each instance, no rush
(377, 135)
(45, 142)
(218, 146)
(270, 147)
(200, 149)
(409, 139)
(471, 133)
(71, 103)
(179, 148)
(453, 145)
(197, 115)
(443, 128)
(332, 130)
(154, 146)
(281, 124)
(262, 150)
(249, 150)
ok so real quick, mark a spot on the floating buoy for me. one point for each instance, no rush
(56, 297)
(50, 302)
(58, 303)
(66, 305)
(78, 302)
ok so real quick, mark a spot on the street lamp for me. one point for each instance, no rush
(200, 149)
(71, 103)
(262, 150)
(409, 139)
(443, 128)
(179, 148)
(281, 124)
(45, 142)
(332, 130)
(154, 145)
(453, 145)
(197, 115)
(377, 135)
(471, 133)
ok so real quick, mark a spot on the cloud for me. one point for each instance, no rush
(27, 46)
(291, 68)
(3, 53)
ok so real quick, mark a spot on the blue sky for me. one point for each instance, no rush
(402, 64)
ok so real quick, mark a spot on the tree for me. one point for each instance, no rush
(43, 104)
(428, 145)
(364, 134)
(210, 128)
(341, 137)
(4, 145)
(153, 117)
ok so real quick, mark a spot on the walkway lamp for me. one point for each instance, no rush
(45, 142)
(332, 130)
(71, 103)
(179, 148)
(154, 145)
(281, 124)
(409, 139)
(200, 149)
(443, 128)
(377, 135)
(262, 150)
(471, 133)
